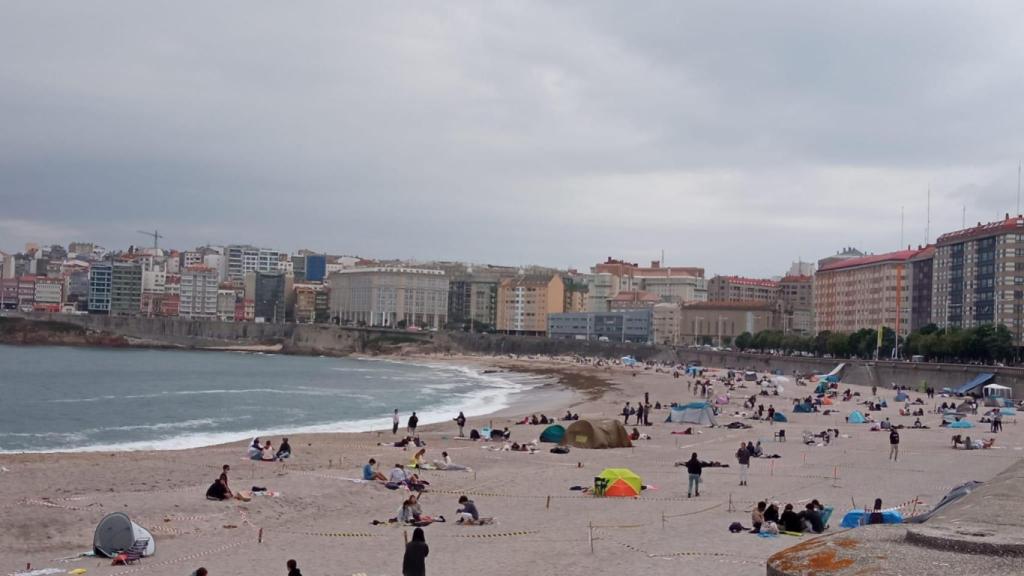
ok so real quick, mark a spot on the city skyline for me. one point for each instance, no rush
(734, 137)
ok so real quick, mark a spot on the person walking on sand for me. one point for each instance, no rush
(460, 421)
(771, 415)
(894, 445)
(414, 563)
(743, 458)
(394, 422)
(413, 421)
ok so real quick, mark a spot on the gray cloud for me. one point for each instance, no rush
(736, 136)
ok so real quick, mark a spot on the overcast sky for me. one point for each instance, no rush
(734, 136)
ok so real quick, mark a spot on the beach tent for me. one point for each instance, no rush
(620, 482)
(826, 401)
(553, 434)
(855, 417)
(965, 407)
(116, 533)
(855, 518)
(780, 417)
(996, 395)
(822, 387)
(607, 433)
(901, 397)
(962, 424)
(722, 400)
(628, 361)
(804, 407)
(693, 413)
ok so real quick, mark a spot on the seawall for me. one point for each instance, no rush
(326, 339)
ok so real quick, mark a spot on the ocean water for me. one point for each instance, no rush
(86, 399)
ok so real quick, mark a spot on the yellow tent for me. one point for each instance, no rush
(617, 482)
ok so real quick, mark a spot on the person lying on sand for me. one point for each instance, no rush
(446, 463)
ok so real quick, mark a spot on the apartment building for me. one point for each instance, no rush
(100, 281)
(198, 292)
(270, 294)
(240, 260)
(669, 283)
(632, 300)
(623, 326)
(978, 277)
(796, 303)
(125, 288)
(920, 284)
(865, 292)
(719, 323)
(390, 296)
(666, 324)
(524, 303)
(48, 295)
(312, 303)
(740, 289)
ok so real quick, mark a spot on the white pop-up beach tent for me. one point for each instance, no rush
(117, 533)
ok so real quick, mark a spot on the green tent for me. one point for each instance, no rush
(553, 434)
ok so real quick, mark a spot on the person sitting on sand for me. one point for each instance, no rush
(417, 459)
(268, 451)
(811, 517)
(533, 420)
(200, 572)
(217, 491)
(875, 517)
(255, 451)
(771, 513)
(370, 475)
(468, 514)
(757, 516)
(791, 522)
(284, 451)
(446, 463)
(398, 475)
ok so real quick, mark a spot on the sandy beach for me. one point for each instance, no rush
(323, 515)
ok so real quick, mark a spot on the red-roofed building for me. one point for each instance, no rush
(864, 292)
(632, 300)
(979, 277)
(740, 289)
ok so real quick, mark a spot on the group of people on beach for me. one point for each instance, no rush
(266, 453)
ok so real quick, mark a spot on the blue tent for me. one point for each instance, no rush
(780, 417)
(901, 397)
(802, 408)
(855, 417)
(1007, 412)
(962, 424)
(855, 518)
(822, 387)
(693, 413)
(553, 434)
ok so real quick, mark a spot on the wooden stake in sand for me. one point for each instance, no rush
(590, 527)
(405, 536)
(330, 463)
(548, 505)
(259, 537)
(662, 519)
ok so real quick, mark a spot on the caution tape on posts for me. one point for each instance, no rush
(498, 534)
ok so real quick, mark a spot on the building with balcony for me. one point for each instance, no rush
(198, 292)
(524, 303)
(394, 297)
(740, 289)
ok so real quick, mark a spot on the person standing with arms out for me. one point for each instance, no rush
(415, 561)
(394, 422)
(413, 421)
(894, 445)
(693, 470)
(743, 457)
(293, 568)
(460, 421)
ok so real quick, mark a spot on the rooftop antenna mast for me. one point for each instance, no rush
(901, 228)
(928, 221)
(963, 217)
(1018, 187)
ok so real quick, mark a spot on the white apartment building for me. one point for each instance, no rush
(393, 297)
(199, 293)
(239, 260)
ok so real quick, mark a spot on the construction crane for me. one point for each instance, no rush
(155, 235)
